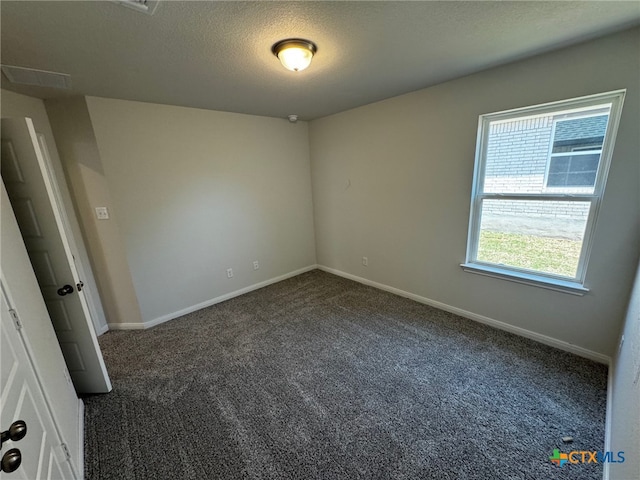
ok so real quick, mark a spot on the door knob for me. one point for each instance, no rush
(64, 290)
(16, 432)
(11, 460)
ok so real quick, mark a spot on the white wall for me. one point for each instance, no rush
(392, 181)
(16, 105)
(196, 192)
(625, 394)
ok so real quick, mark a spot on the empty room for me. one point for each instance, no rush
(320, 240)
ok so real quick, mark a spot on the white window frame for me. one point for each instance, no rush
(574, 285)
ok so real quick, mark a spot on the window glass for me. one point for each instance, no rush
(533, 235)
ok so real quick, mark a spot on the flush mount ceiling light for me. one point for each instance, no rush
(295, 54)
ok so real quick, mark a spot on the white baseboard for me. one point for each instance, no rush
(560, 344)
(102, 330)
(554, 342)
(80, 473)
(208, 303)
(127, 326)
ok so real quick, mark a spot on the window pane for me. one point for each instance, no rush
(543, 236)
(518, 151)
(573, 171)
(559, 165)
(517, 155)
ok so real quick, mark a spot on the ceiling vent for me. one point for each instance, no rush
(39, 78)
(144, 6)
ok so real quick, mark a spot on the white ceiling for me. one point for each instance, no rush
(216, 55)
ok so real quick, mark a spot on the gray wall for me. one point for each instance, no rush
(196, 192)
(392, 181)
(625, 394)
(82, 164)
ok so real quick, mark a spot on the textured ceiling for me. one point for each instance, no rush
(216, 55)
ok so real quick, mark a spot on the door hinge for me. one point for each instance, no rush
(65, 451)
(16, 319)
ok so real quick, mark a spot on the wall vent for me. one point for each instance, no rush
(144, 6)
(39, 78)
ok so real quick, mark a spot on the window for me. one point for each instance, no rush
(540, 173)
(576, 150)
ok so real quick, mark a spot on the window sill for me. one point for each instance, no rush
(558, 285)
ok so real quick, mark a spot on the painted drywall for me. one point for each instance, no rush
(392, 182)
(79, 154)
(15, 105)
(625, 394)
(39, 336)
(197, 192)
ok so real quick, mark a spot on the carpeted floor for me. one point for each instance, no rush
(318, 377)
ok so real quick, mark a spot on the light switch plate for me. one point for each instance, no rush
(102, 213)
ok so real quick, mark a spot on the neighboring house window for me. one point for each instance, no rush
(575, 151)
(540, 174)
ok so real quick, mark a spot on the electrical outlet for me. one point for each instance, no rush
(256, 264)
(365, 261)
(229, 272)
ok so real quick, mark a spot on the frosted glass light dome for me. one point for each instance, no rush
(295, 54)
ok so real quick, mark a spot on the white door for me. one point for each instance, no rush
(89, 296)
(34, 203)
(41, 453)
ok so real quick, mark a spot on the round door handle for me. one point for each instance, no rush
(65, 290)
(11, 460)
(16, 432)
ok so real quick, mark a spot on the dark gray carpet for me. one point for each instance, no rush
(318, 377)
